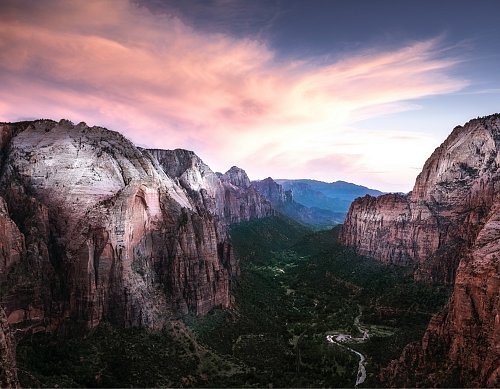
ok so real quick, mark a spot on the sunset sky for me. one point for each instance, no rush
(361, 91)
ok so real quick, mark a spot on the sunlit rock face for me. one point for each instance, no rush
(96, 228)
(229, 197)
(448, 227)
(236, 177)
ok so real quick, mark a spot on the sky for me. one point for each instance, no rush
(359, 91)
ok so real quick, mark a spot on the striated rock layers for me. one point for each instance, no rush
(94, 228)
(461, 346)
(449, 228)
(273, 191)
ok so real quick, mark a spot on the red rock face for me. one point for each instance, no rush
(449, 227)
(391, 228)
(104, 230)
(273, 191)
(11, 241)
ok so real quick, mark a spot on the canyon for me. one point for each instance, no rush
(96, 230)
(448, 229)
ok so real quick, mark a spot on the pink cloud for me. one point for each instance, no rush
(164, 84)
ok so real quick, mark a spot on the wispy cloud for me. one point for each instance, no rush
(165, 84)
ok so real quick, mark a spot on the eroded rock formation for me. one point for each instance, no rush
(448, 227)
(100, 229)
(273, 191)
(461, 346)
(11, 250)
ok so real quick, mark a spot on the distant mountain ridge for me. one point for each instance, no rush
(314, 203)
(283, 201)
(334, 196)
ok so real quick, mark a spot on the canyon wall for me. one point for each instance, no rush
(12, 248)
(461, 346)
(97, 229)
(448, 228)
(230, 197)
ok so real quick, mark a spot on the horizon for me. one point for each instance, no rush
(361, 92)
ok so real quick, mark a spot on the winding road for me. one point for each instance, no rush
(339, 339)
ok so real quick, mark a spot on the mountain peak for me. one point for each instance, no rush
(237, 177)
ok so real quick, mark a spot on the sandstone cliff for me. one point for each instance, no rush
(242, 200)
(448, 227)
(100, 229)
(461, 346)
(11, 249)
(273, 191)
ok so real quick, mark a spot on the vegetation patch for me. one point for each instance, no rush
(298, 286)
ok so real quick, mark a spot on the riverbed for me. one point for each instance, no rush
(341, 339)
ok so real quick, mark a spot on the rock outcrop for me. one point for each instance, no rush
(242, 200)
(11, 250)
(236, 177)
(448, 227)
(273, 191)
(96, 228)
(12, 244)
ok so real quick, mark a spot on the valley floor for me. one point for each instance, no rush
(297, 291)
